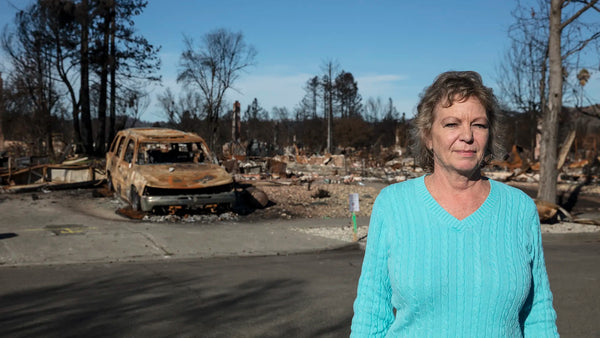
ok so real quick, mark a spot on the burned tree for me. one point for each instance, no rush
(122, 55)
(548, 39)
(310, 101)
(522, 73)
(558, 51)
(32, 54)
(346, 95)
(330, 70)
(213, 67)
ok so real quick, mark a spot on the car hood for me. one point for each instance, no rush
(184, 175)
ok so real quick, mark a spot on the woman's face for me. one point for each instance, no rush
(459, 136)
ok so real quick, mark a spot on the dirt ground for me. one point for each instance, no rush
(317, 200)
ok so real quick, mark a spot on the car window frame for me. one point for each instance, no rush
(120, 147)
(127, 149)
(115, 144)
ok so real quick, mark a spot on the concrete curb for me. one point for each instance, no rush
(109, 241)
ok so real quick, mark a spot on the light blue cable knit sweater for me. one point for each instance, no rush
(483, 276)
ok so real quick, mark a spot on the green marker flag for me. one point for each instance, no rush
(354, 207)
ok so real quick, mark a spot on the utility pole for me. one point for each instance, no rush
(329, 86)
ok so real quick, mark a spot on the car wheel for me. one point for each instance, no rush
(135, 200)
(109, 183)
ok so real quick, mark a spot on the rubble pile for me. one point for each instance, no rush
(518, 168)
(391, 165)
(202, 218)
(388, 167)
(293, 181)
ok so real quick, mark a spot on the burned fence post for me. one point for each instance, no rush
(236, 125)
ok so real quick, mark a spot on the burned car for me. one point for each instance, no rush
(166, 168)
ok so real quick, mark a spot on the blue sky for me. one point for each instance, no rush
(393, 48)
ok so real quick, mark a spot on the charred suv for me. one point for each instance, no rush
(163, 168)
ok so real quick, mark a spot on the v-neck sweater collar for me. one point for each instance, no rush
(435, 209)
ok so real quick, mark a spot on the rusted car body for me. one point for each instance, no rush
(159, 167)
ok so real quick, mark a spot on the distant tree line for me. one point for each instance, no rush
(330, 115)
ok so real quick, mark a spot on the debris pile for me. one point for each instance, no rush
(307, 179)
(36, 173)
(203, 218)
(294, 184)
(350, 166)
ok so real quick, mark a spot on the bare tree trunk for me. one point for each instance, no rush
(330, 108)
(74, 103)
(330, 127)
(549, 143)
(101, 136)
(42, 110)
(113, 73)
(215, 132)
(543, 106)
(235, 123)
(84, 91)
(315, 94)
(48, 112)
(76, 129)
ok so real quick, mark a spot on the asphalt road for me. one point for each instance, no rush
(272, 296)
(307, 295)
(573, 263)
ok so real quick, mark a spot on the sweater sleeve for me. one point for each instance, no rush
(373, 312)
(538, 318)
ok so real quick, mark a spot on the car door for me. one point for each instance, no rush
(112, 157)
(123, 170)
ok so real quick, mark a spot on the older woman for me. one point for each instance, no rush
(452, 253)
